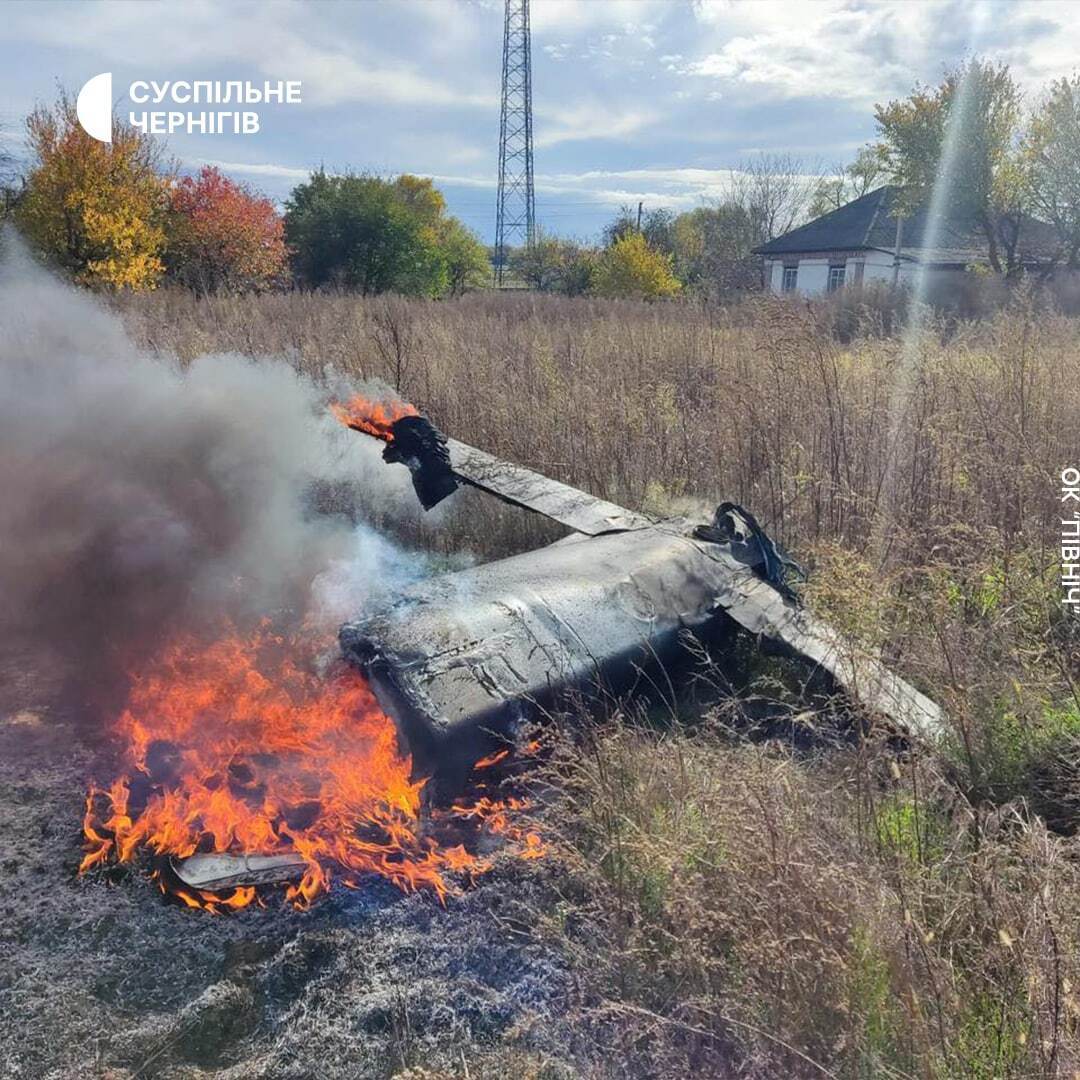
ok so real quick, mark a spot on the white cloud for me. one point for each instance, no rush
(284, 172)
(550, 16)
(865, 52)
(680, 188)
(335, 62)
(591, 121)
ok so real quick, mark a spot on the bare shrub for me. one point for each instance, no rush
(747, 914)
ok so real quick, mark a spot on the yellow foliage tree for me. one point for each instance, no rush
(630, 268)
(97, 210)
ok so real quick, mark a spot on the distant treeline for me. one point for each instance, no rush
(119, 215)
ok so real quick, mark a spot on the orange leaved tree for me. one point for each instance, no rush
(97, 210)
(224, 236)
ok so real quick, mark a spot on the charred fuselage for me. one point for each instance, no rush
(462, 660)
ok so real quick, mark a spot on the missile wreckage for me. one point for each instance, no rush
(464, 662)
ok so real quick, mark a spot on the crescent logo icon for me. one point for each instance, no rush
(94, 107)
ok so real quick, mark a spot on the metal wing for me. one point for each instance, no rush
(570, 506)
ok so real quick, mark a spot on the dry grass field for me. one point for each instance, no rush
(773, 906)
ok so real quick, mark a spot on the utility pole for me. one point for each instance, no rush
(515, 216)
(896, 251)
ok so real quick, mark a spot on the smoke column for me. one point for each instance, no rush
(139, 498)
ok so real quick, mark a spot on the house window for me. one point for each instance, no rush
(836, 277)
(791, 275)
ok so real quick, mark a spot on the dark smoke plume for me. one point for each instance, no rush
(139, 498)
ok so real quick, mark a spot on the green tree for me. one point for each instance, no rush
(9, 181)
(466, 259)
(577, 268)
(539, 264)
(97, 210)
(1051, 149)
(657, 226)
(554, 265)
(962, 134)
(365, 233)
(630, 268)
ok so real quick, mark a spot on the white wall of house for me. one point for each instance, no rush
(813, 276)
(879, 267)
(866, 267)
(813, 273)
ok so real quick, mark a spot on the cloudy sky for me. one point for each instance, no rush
(633, 99)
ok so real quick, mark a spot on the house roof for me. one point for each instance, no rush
(870, 223)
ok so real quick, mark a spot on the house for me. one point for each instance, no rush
(865, 241)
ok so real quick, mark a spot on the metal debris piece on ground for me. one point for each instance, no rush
(215, 873)
(578, 510)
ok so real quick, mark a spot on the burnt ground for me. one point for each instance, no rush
(104, 977)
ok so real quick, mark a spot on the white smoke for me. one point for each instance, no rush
(138, 497)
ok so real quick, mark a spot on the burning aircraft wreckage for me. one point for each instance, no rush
(464, 662)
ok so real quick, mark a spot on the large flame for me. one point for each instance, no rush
(372, 417)
(241, 746)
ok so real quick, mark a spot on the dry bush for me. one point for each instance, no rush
(738, 912)
(650, 404)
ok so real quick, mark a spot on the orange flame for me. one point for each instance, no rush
(236, 747)
(492, 759)
(373, 417)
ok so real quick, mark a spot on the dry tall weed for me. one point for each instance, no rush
(737, 909)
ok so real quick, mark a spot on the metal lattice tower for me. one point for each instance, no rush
(515, 217)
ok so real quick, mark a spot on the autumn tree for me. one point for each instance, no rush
(223, 236)
(464, 257)
(850, 182)
(1051, 149)
(713, 248)
(420, 195)
(551, 264)
(655, 224)
(97, 210)
(631, 268)
(963, 136)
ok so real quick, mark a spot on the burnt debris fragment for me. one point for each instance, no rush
(752, 546)
(216, 872)
(418, 444)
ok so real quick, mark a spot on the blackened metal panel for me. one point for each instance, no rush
(759, 608)
(464, 656)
